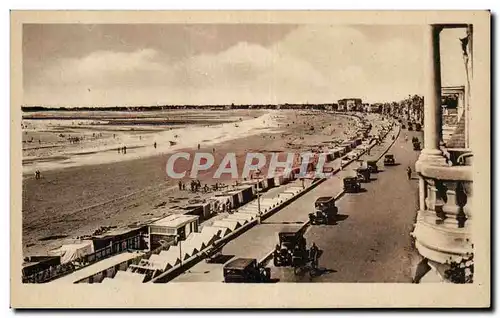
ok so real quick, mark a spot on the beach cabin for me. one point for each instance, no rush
(202, 209)
(172, 228)
(347, 146)
(247, 193)
(223, 200)
(121, 239)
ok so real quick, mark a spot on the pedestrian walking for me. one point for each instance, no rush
(313, 255)
(154, 145)
(408, 172)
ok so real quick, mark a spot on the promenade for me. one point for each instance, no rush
(258, 241)
(371, 242)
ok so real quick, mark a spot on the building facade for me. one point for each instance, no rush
(350, 104)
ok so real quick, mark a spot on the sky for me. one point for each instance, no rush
(159, 64)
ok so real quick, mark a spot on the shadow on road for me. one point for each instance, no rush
(395, 164)
(220, 259)
(341, 217)
(362, 190)
(285, 222)
(373, 179)
(321, 271)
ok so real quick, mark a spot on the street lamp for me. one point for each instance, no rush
(258, 196)
(180, 248)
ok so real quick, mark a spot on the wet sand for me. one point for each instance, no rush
(76, 201)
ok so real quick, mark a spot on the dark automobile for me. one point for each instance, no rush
(246, 270)
(416, 145)
(351, 184)
(325, 211)
(403, 126)
(418, 127)
(410, 126)
(363, 174)
(372, 165)
(290, 250)
(389, 160)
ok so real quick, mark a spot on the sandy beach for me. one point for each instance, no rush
(105, 188)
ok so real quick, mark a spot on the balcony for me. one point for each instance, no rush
(443, 225)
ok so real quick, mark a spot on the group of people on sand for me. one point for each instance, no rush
(122, 150)
(195, 186)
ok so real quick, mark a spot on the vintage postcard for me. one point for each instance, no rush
(265, 159)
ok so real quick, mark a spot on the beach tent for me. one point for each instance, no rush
(71, 252)
(211, 231)
(237, 219)
(172, 256)
(223, 231)
(197, 240)
(241, 216)
(207, 238)
(231, 225)
(125, 276)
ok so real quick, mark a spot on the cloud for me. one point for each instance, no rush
(313, 63)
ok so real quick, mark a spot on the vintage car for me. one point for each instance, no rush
(351, 184)
(389, 160)
(246, 270)
(418, 127)
(410, 126)
(363, 174)
(372, 165)
(291, 249)
(414, 139)
(324, 211)
(416, 145)
(403, 126)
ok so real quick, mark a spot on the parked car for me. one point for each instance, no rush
(324, 211)
(351, 184)
(246, 270)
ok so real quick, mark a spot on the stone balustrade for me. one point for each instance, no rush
(443, 226)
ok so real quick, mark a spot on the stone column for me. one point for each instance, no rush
(431, 154)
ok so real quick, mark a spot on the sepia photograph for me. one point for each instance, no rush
(195, 154)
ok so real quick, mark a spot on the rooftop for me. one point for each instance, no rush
(239, 263)
(175, 220)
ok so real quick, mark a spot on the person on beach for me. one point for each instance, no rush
(180, 185)
(408, 172)
(119, 150)
(154, 145)
(124, 149)
(198, 146)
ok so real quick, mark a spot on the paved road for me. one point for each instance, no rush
(261, 239)
(372, 242)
